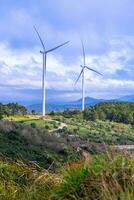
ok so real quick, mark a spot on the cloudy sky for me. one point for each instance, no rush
(106, 27)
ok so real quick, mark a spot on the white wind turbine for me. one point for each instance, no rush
(44, 54)
(83, 75)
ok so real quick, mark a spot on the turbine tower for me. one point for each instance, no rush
(82, 73)
(44, 56)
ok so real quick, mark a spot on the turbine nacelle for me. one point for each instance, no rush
(83, 68)
(91, 69)
(42, 52)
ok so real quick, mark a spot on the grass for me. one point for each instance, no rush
(44, 124)
(35, 121)
(20, 118)
(99, 131)
(19, 181)
(103, 178)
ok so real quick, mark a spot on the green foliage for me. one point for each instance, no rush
(1, 111)
(117, 112)
(33, 112)
(33, 125)
(88, 132)
(41, 123)
(72, 179)
(11, 109)
(19, 141)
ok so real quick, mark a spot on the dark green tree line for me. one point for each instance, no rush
(113, 111)
(12, 109)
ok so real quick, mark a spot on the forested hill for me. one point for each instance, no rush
(117, 112)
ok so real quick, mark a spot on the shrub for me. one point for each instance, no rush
(33, 125)
(47, 126)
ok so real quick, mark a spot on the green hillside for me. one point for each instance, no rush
(68, 155)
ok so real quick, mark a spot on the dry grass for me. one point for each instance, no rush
(102, 178)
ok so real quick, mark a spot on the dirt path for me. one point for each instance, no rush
(62, 125)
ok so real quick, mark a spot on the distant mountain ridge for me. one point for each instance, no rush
(89, 101)
(129, 98)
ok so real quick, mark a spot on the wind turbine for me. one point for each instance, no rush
(44, 55)
(82, 73)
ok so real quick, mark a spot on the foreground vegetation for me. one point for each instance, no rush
(66, 156)
(102, 178)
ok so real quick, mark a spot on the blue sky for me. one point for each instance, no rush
(106, 27)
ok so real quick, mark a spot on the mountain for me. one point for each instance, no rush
(129, 98)
(89, 101)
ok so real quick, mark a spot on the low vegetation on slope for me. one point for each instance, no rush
(100, 132)
(19, 141)
(102, 178)
(95, 131)
(46, 124)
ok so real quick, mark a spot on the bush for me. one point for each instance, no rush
(32, 144)
(47, 127)
(33, 125)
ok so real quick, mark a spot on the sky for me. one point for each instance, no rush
(106, 28)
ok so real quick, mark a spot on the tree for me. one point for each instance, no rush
(12, 109)
(1, 111)
(33, 112)
(112, 111)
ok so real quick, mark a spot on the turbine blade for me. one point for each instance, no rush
(40, 38)
(93, 70)
(83, 51)
(57, 47)
(79, 76)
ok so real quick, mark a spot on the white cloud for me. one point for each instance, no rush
(23, 69)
